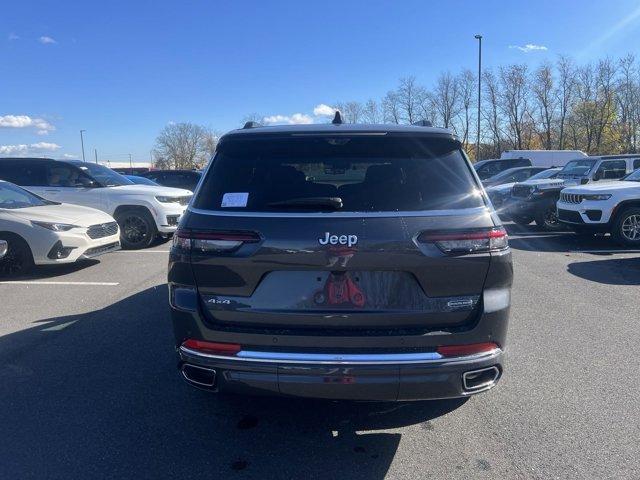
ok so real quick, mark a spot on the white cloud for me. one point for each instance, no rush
(47, 146)
(70, 156)
(24, 149)
(12, 36)
(13, 149)
(295, 119)
(324, 110)
(25, 121)
(46, 40)
(529, 47)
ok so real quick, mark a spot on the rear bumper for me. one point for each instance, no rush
(390, 377)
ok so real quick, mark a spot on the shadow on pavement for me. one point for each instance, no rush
(42, 272)
(532, 238)
(615, 271)
(98, 395)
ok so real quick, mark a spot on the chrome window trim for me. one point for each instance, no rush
(417, 213)
(340, 359)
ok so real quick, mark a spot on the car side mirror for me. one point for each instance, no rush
(86, 183)
(597, 176)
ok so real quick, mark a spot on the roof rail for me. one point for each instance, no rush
(337, 119)
(422, 123)
(251, 125)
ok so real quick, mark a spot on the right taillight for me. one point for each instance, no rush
(467, 241)
(212, 241)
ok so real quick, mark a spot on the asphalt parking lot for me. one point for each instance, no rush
(89, 386)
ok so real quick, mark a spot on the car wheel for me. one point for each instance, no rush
(521, 219)
(626, 228)
(18, 259)
(137, 228)
(548, 219)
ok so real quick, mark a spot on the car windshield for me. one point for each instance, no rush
(578, 168)
(13, 197)
(505, 174)
(103, 175)
(366, 173)
(551, 173)
(633, 176)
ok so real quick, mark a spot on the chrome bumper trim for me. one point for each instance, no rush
(341, 359)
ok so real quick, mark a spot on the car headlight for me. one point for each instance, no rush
(56, 227)
(600, 196)
(168, 199)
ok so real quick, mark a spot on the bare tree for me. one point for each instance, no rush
(391, 108)
(564, 94)
(182, 145)
(545, 101)
(409, 96)
(514, 102)
(628, 103)
(605, 103)
(491, 110)
(445, 99)
(467, 90)
(371, 112)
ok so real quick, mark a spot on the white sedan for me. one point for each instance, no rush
(41, 232)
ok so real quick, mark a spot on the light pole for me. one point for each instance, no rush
(479, 38)
(82, 143)
(130, 162)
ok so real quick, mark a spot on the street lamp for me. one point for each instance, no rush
(82, 143)
(479, 38)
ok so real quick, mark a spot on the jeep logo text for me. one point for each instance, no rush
(349, 240)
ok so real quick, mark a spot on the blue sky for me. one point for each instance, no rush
(122, 70)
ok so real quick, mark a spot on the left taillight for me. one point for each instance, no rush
(212, 241)
(457, 242)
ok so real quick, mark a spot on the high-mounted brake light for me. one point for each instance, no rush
(216, 348)
(463, 350)
(213, 241)
(467, 241)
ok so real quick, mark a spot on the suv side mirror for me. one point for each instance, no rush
(85, 183)
(597, 176)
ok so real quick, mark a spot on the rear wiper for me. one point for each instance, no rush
(334, 203)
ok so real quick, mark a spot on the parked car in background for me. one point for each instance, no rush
(488, 168)
(142, 211)
(499, 194)
(315, 261)
(41, 232)
(131, 170)
(604, 207)
(187, 179)
(512, 175)
(544, 158)
(140, 180)
(537, 200)
(598, 168)
(3, 248)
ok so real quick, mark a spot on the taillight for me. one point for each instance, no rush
(216, 348)
(467, 241)
(464, 350)
(212, 241)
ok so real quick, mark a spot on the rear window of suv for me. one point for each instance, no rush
(365, 173)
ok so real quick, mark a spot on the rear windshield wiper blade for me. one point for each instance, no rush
(334, 203)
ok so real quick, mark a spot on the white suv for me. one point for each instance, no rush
(142, 211)
(609, 207)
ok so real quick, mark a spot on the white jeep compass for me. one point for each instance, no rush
(142, 211)
(611, 207)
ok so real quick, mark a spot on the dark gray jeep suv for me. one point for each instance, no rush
(341, 261)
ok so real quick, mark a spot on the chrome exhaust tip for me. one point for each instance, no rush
(481, 379)
(201, 377)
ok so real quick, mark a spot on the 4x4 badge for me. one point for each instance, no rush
(348, 240)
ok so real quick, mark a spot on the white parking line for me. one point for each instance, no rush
(39, 282)
(142, 251)
(604, 251)
(61, 326)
